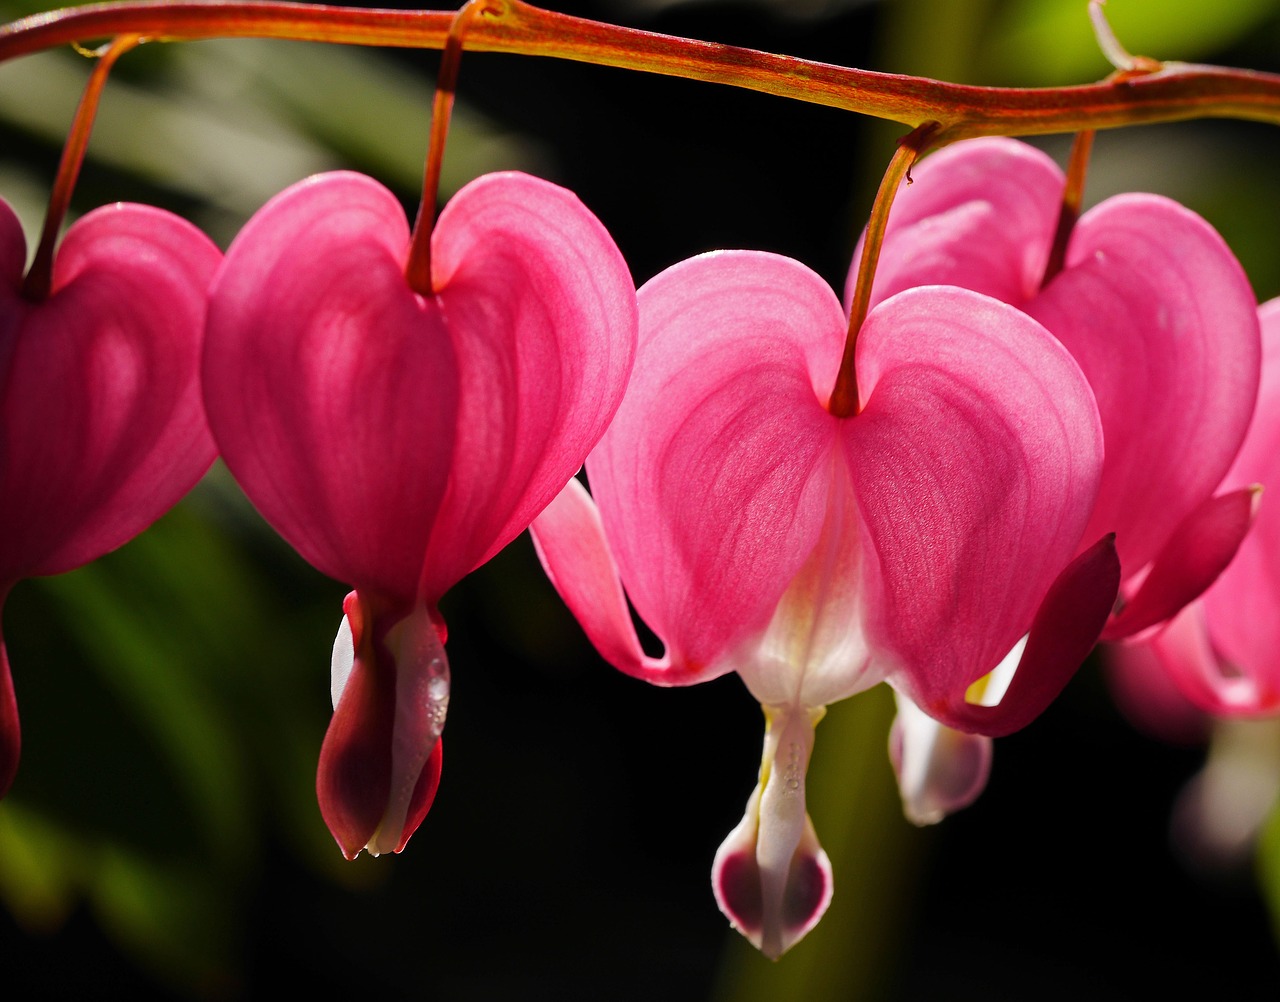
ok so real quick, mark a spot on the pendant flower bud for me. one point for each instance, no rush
(399, 440)
(817, 556)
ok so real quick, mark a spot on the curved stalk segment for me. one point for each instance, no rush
(1117, 55)
(1072, 200)
(39, 280)
(844, 397)
(418, 267)
(182, 21)
(1161, 92)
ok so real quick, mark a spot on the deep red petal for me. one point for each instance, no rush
(1066, 627)
(353, 781)
(424, 793)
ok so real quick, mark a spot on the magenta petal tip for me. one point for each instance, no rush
(10, 732)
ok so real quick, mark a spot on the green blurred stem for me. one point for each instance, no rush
(1173, 92)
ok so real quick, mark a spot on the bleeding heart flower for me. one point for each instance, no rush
(1161, 318)
(100, 412)
(399, 440)
(754, 531)
(1223, 651)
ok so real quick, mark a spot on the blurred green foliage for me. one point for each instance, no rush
(1051, 42)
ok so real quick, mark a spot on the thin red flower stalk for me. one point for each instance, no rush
(418, 268)
(1171, 92)
(844, 397)
(39, 280)
(1072, 200)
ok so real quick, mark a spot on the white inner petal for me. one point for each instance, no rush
(344, 658)
(814, 650)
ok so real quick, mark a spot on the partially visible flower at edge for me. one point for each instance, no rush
(102, 425)
(1161, 318)
(1223, 650)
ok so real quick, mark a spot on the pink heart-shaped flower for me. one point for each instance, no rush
(399, 440)
(915, 542)
(100, 410)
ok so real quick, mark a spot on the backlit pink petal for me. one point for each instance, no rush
(976, 460)
(1158, 314)
(571, 544)
(102, 424)
(713, 478)
(980, 215)
(427, 431)
(102, 428)
(542, 310)
(330, 385)
(1241, 608)
(1221, 649)
(1190, 561)
(1151, 303)
(1163, 321)
(380, 763)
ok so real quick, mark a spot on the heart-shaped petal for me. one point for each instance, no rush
(102, 423)
(1160, 316)
(1151, 303)
(398, 440)
(979, 215)
(816, 555)
(712, 480)
(976, 462)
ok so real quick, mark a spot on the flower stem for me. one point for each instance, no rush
(1159, 92)
(39, 281)
(1072, 199)
(418, 267)
(844, 397)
